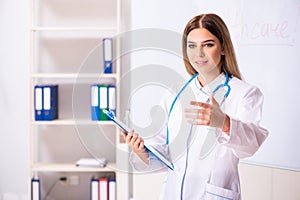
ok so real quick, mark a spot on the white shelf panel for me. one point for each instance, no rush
(61, 37)
(70, 167)
(73, 75)
(39, 28)
(72, 122)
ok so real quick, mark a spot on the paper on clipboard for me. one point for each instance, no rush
(149, 148)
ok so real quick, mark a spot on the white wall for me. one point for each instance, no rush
(265, 183)
(266, 40)
(258, 182)
(14, 23)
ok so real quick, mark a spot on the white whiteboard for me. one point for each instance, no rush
(266, 36)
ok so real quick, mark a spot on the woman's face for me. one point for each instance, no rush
(204, 52)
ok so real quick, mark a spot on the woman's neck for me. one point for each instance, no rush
(205, 79)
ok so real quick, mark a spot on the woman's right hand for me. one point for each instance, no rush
(136, 143)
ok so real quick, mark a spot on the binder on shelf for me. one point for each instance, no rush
(107, 55)
(46, 102)
(103, 97)
(38, 102)
(103, 104)
(94, 189)
(112, 189)
(35, 189)
(50, 102)
(103, 188)
(112, 99)
(95, 107)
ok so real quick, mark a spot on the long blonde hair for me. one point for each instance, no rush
(214, 24)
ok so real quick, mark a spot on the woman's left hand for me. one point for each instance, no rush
(209, 114)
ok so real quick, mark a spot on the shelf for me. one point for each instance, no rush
(74, 75)
(72, 122)
(39, 28)
(66, 49)
(70, 167)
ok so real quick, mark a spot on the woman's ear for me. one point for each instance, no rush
(222, 52)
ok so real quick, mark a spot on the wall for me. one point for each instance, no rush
(266, 40)
(259, 182)
(14, 22)
(265, 183)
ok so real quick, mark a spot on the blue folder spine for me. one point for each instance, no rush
(107, 55)
(94, 189)
(112, 99)
(112, 189)
(95, 100)
(50, 102)
(35, 189)
(38, 102)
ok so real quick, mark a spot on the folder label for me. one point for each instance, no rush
(94, 96)
(47, 98)
(112, 98)
(103, 97)
(38, 98)
(107, 49)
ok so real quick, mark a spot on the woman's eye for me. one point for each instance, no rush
(208, 45)
(191, 46)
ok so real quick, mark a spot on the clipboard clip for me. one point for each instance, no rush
(109, 113)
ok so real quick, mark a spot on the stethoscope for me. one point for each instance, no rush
(218, 87)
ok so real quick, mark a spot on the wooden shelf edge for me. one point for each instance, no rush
(73, 75)
(62, 28)
(72, 122)
(70, 167)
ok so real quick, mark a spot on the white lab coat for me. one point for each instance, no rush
(216, 175)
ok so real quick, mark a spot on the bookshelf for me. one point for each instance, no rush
(66, 49)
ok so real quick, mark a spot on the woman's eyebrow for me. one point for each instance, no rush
(209, 40)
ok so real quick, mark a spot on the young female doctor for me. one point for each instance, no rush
(223, 117)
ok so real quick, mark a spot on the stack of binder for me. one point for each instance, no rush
(46, 102)
(102, 97)
(103, 189)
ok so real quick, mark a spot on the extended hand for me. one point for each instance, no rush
(209, 114)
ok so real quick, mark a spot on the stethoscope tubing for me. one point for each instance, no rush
(225, 84)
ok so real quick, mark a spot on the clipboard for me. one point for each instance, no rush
(149, 148)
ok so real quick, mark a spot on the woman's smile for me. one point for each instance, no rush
(201, 63)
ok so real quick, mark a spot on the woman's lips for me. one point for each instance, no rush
(200, 62)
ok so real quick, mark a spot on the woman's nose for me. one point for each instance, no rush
(201, 52)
